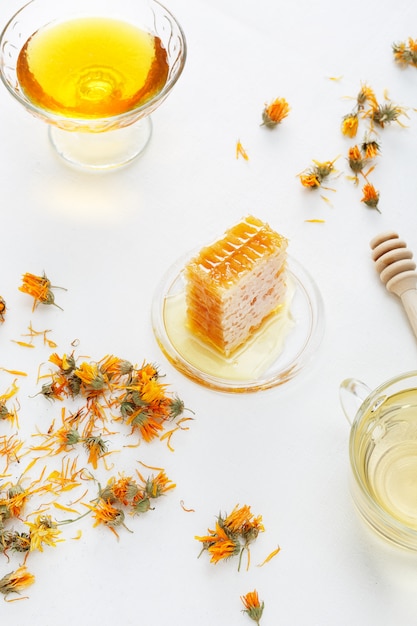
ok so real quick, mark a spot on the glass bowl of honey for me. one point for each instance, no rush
(94, 71)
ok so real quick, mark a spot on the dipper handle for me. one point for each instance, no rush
(396, 268)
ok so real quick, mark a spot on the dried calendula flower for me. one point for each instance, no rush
(14, 541)
(253, 606)
(314, 177)
(40, 288)
(350, 125)
(124, 490)
(44, 531)
(15, 581)
(356, 160)
(310, 180)
(370, 147)
(232, 535)
(370, 196)
(105, 513)
(96, 448)
(350, 122)
(2, 309)
(220, 544)
(66, 363)
(386, 113)
(405, 53)
(156, 486)
(275, 112)
(366, 95)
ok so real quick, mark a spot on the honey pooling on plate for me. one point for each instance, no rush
(235, 284)
(92, 67)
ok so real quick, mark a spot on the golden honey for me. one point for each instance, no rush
(92, 67)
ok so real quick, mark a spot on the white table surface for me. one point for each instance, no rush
(109, 238)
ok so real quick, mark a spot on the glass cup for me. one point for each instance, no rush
(106, 141)
(383, 455)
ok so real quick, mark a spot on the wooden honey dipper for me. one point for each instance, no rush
(396, 268)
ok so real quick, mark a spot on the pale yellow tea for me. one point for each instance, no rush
(92, 67)
(387, 455)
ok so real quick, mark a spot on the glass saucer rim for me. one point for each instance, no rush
(304, 285)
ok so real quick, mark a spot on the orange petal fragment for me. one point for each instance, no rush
(270, 556)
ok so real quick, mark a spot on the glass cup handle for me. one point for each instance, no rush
(352, 393)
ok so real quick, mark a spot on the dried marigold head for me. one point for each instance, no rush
(53, 390)
(15, 581)
(386, 114)
(310, 180)
(356, 160)
(253, 607)
(370, 196)
(275, 112)
(366, 95)
(105, 513)
(350, 125)
(2, 309)
(177, 407)
(66, 363)
(243, 523)
(91, 376)
(4, 411)
(65, 438)
(39, 287)
(141, 504)
(370, 148)
(405, 53)
(158, 485)
(219, 544)
(13, 540)
(123, 490)
(146, 372)
(237, 519)
(314, 177)
(43, 532)
(13, 504)
(324, 168)
(96, 447)
(113, 367)
(148, 426)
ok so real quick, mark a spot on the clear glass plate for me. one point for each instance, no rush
(275, 353)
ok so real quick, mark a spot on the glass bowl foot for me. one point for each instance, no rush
(102, 151)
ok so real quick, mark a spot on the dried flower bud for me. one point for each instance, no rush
(370, 196)
(370, 148)
(310, 180)
(314, 177)
(253, 607)
(2, 309)
(40, 288)
(356, 160)
(15, 581)
(406, 53)
(141, 506)
(366, 95)
(350, 125)
(274, 113)
(385, 114)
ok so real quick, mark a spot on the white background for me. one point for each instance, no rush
(110, 238)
